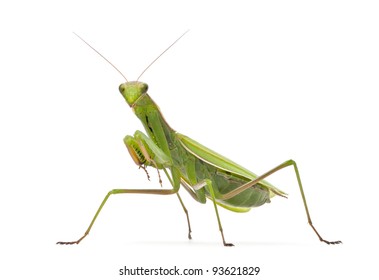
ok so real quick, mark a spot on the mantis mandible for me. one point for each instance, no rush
(202, 172)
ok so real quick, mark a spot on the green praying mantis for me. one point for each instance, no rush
(202, 172)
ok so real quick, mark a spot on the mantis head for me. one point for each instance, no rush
(131, 91)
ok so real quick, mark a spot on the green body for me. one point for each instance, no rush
(192, 161)
(201, 171)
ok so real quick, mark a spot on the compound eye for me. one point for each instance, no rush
(121, 88)
(144, 88)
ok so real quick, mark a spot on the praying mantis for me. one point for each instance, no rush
(202, 172)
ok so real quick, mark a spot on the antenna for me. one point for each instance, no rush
(158, 55)
(105, 57)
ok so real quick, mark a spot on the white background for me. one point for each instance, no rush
(258, 81)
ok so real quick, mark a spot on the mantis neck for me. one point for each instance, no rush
(153, 121)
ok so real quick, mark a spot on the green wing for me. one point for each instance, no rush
(221, 162)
